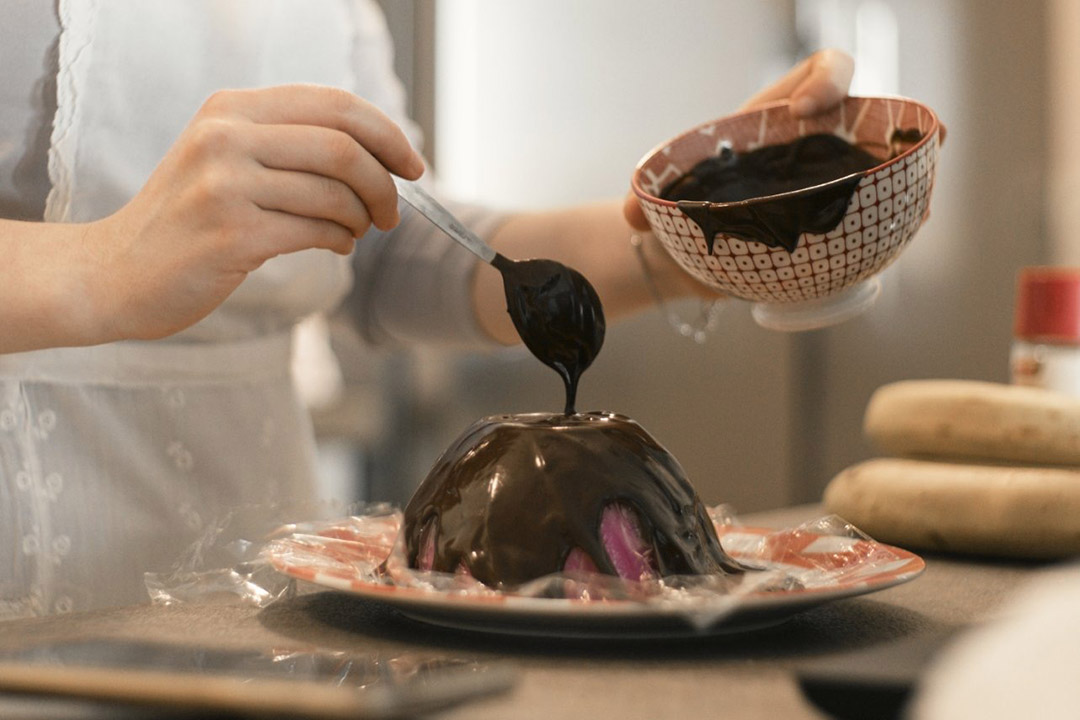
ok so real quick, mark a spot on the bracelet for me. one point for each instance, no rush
(709, 314)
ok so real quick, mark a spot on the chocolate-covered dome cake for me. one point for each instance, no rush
(517, 497)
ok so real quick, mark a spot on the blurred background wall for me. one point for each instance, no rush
(530, 104)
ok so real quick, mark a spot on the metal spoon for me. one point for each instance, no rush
(555, 310)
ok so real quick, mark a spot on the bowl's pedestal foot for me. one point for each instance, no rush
(815, 314)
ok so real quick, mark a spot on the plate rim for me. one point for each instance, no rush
(515, 614)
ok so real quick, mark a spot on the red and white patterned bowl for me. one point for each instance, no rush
(888, 205)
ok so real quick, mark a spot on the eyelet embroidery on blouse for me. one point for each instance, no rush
(181, 456)
(52, 487)
(43, 551)
(185, 462)
(46, 423)
(31, 543)
(53, 554)
(8, 420)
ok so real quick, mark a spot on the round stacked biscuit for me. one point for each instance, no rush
(974, 467)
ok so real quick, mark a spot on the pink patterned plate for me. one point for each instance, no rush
(806, 567)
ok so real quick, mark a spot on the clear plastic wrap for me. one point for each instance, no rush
(227, 563)
(363, 553)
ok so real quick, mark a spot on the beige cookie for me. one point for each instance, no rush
(978, 420)
(999, 510)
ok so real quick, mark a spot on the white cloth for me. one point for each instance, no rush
(1022, 664)
(114, 458)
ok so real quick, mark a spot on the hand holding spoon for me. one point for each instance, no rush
(554, 308)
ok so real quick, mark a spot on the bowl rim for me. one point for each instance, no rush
(932, 132)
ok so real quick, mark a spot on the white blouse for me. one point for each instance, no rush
(114, 458)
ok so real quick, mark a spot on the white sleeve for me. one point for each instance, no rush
(413, 284)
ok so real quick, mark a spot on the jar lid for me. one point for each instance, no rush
(1048, 305)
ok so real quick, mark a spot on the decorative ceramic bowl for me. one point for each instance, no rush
(827, 276)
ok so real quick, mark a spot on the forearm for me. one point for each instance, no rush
(413, 284)
(44, 297)
(593, 239)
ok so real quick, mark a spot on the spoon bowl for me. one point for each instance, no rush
(558, 315)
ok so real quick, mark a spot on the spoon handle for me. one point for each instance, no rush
(430, 208)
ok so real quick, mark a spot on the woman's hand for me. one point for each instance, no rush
(815, 85)
(256, 174)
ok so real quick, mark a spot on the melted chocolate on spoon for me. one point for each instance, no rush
(558, 315)
(515, 494)
(711, 193)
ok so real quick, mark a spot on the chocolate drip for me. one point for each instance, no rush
(558, 315)
(515, 494)
(715, 192)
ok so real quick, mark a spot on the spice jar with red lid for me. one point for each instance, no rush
(1046, 329)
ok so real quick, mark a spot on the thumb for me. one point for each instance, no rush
(633, 213)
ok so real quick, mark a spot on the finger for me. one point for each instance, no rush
(782, 88)
(310, 196)
(280, 233)
(816, 84)
(332, 154)
(825, 86)
(325, 107)
(634, 214)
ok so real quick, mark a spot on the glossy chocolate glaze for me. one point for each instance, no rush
(711, 192)
(515, 494)
(558, 315)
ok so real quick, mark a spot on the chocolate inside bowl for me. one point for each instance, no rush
(712, 191)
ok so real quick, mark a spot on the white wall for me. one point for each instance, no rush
(545, 103)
